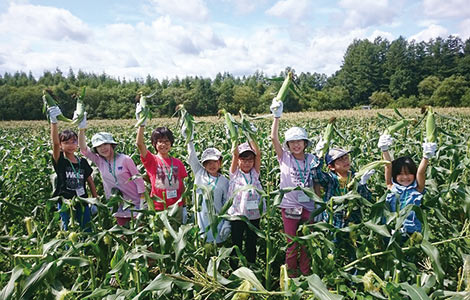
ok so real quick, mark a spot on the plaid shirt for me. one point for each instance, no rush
(330, 183)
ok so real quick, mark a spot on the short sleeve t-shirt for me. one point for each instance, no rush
(245, 203)
(71, 177)
(296, 173)
(166, 177)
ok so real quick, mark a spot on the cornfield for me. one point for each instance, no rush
(151, 259)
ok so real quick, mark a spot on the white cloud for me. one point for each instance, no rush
(464, 29)
(365, 13)
(244, 7)
(446, 9)
(186, 10)
(42, 22)
(431, 32)
(292, 10)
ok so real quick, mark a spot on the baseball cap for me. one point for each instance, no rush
(334, 154)
(210, 154)
(242, 148)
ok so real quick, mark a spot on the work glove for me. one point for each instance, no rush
(366, 177)
(276, 108)
(53, 112)
(429, 150)
(225, 230)
(385, 142)
(82, 124)
(320, 146)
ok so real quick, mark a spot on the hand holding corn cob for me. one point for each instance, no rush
(366, 176)
(54, 112)
(140, 115)
(385, 142)
(76, 118)
(429, 150)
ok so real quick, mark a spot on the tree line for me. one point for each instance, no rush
(379, 73)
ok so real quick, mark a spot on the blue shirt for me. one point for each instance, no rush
(408, 195)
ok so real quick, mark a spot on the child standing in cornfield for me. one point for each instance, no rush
(207, 172)
(72, 172)
(405, 182)
(166, 173)
(296, 206)
(244, 170)
(116, 169)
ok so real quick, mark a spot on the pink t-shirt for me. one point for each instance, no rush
(294, 173)
(116, 174)
(245, 203)
(166, 176)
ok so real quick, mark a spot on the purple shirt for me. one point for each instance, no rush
(116, 174)
(245, 203)
(294, 173)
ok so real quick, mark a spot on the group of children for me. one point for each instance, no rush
(297, 167)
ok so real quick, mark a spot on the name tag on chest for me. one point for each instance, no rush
(170, 194)
(252, 204)
(80, 191)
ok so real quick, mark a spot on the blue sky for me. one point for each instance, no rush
(168, 38)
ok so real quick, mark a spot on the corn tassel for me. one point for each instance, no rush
(50, 102)
(80, 108)
(282, 93)
(431, 130)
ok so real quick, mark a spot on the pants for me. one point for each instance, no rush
(292, 254)
(82, 216)
(238, 230)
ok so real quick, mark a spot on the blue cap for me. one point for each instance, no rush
(333, 154)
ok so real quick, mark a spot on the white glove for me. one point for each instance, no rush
(366, 177)
(276, 108)
(385, 142)
(138, 110)
(320, 146)
(82, 124)
(53, 112)
(94, 209)
(183, 132)
(225, 230)
(429, 149)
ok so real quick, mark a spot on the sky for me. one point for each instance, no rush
(167, 38)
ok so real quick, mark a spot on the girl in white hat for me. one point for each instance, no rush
(115, 168)
(207, 172)
(296, 206)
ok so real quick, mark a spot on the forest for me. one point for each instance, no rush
(379, 73)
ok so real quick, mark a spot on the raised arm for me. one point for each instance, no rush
(82, 141)
(255, 147)
(192, 159)
(275, 138)
(234, 165)
(421, 174)
(388, 169)
(55, 142)
(140, 141)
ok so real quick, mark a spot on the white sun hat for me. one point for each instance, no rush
(210, 154)
(295, 134)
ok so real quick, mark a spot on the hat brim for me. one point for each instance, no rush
(212, 157)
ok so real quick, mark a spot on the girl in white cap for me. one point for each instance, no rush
(244, 170)
(207, 172)
(115, 168)
(72, 172)
(296, 206)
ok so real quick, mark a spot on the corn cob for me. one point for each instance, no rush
(231, 125)
(328, 135)
(398, 125)
(370, 166)
(80, 108)
(282, 93)
(245, 286)
(144, 113)
(247, 127)
(284, 280)
(431, 130)
(50, 102)
(185, 120)
(29, 225)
